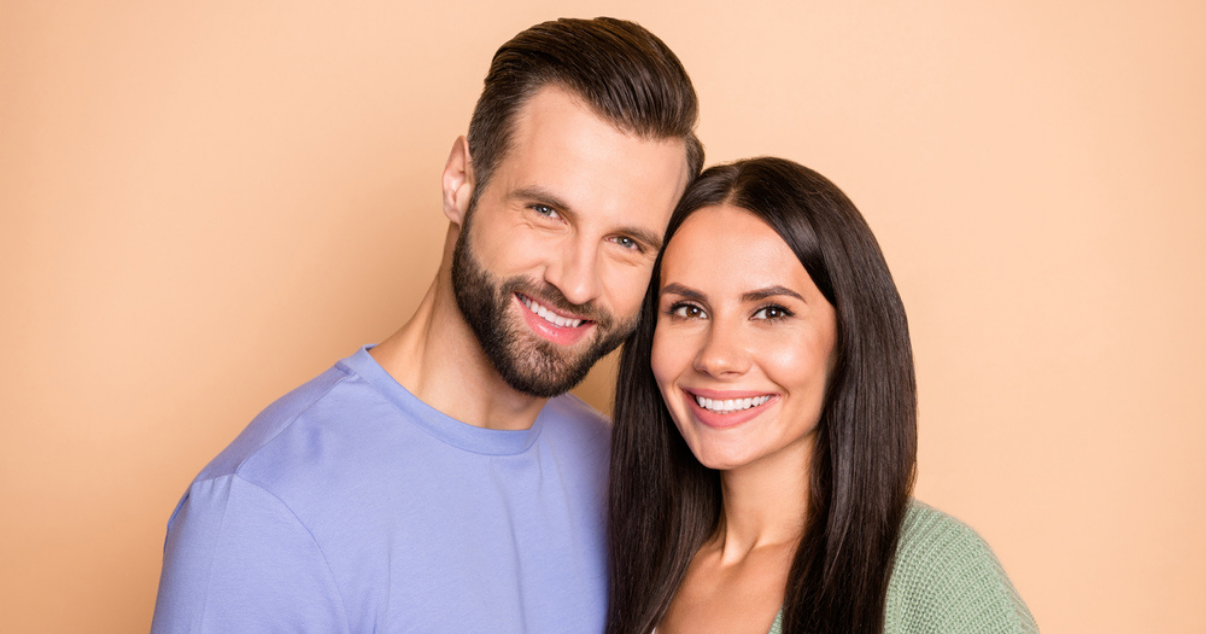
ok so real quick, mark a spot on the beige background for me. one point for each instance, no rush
(204, 205)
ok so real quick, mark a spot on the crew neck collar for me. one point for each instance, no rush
(459, 434)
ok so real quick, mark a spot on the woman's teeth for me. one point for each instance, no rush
(730, 405)
(548, 315)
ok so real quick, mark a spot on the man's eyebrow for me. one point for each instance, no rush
(652, 240)
(769, 291)
(679, 289)
(545, 197)
(542, 196)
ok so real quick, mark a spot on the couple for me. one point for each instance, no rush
(764, 441)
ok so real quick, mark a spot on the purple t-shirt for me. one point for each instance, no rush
(351, 506)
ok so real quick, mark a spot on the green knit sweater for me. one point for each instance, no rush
(946, 580)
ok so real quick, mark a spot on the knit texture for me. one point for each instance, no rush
(946, 580)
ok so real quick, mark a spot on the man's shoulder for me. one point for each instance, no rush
(305, 406)
(307, 448)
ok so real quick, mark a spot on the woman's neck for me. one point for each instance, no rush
(765, 502)
(736, 580)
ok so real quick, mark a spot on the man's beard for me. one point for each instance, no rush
(527, 362)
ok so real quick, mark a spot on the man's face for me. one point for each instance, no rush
(553, 260)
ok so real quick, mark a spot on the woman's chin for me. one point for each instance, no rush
(725, 459)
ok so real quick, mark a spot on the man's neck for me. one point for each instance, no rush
(437, 358)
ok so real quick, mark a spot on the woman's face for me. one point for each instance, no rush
(744, 340)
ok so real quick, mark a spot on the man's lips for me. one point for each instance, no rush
(553, 316)
(552, 325)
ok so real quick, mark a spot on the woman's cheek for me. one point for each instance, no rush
(659, 361)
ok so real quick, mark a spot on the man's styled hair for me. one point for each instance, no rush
(624, 73)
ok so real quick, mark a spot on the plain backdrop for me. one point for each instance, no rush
(206, 204)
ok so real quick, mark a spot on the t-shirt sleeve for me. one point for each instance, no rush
(947, 579)
(238, 560)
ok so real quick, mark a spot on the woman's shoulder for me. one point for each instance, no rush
(927, 532)
(947, 579)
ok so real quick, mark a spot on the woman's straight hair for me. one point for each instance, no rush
(664, 504)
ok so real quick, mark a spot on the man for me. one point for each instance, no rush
(438, 482)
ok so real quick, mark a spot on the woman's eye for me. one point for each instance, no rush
(772, 312)
(687, 311)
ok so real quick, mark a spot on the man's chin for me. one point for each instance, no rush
(541, 368)
(540, 384)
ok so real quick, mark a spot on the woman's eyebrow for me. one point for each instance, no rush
(679, 289)
(770, 291)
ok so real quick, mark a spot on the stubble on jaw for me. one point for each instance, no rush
(526, 362)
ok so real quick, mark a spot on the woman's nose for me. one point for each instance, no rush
(723, 352)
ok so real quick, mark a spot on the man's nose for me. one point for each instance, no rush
(576, 272)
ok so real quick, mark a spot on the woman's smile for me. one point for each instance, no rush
(722, 408)
(744, 339)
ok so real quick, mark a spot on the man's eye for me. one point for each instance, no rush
(628, 243)
(546, 211)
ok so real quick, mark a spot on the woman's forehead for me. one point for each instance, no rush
(729, 248)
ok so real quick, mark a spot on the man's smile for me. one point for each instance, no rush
(551, 325)
(550, 315)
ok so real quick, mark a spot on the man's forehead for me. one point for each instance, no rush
(553, 112)
(555, 97)
(563, 148)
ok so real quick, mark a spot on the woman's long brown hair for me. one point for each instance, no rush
(664, 504)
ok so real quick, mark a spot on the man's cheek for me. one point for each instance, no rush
(628, 295)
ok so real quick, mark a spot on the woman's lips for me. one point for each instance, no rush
(731, 400)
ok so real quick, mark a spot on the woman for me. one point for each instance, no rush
(765, 433)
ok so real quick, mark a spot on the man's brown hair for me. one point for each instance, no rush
(624, 73)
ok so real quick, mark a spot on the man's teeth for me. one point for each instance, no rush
(548, 315)
(730, 405)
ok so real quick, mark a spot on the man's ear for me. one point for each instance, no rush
(458, 181)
